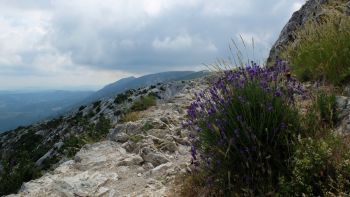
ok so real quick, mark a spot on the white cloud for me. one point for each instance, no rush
(227, 7)
(183, 42)
(16, 38)
(177, 43)
(297, 5)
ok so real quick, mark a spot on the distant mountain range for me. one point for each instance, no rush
(133, 83)
(23, 108)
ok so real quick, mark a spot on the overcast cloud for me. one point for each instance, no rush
(82, 43)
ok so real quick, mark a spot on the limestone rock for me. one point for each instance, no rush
(161, 169)
(131, 160)
(153, 157)
(343, 111)
(118, 137)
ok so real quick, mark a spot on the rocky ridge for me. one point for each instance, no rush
(138, 158)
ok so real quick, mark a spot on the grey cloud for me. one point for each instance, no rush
(178, 37)
(100, 45)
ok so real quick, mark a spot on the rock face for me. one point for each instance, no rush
(138, 158)
(312, 10)
(343, 112)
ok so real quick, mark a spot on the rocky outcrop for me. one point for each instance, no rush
(343, 113)
(139, 158)
(312, 10)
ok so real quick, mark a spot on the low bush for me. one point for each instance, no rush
(147, 126)
(321, 116)
(93, 133)
(194, 185)
(322, 51)
(96, 104)
(12, 177)
(136, 138)
(143, 103)
(326, 105)
(82, 107)
(251, 139)
(320, 167)
(120, 98)
(247, 126)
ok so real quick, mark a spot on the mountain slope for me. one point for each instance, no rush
(139, 158)
(28, 152)
(134, 83)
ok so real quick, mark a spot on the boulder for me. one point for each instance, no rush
(153, 157)
(161, 170)
(129, 128)
(343, 112)
(131, 160)
(118, 137)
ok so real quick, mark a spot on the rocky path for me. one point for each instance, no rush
(138, 158)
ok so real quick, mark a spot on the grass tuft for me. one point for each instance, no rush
(321, 51)
(131, 116)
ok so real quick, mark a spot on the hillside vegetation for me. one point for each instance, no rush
(28, 152)
(262, 132)
(322, 51)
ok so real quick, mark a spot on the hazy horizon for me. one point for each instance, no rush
(85, 45)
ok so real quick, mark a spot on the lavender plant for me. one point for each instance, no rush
(246, 127)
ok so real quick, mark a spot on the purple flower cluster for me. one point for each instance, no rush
(275, 80)
(224, 114)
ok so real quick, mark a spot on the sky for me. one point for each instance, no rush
(86, 44)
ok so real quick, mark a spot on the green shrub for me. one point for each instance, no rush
(120, 98)
(322, 51)
(72, 145)
(82, 107)
(136, 138)
(321, 115)
(93, 133)
(143, 103)
(102, 127)
(52, 124)
(326, 105)
(96, 104)
(147, 126)
(320, 167)
(12, 177)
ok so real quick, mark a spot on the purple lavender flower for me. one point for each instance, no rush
(278, 93)
(211, 111)
(226, 115)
